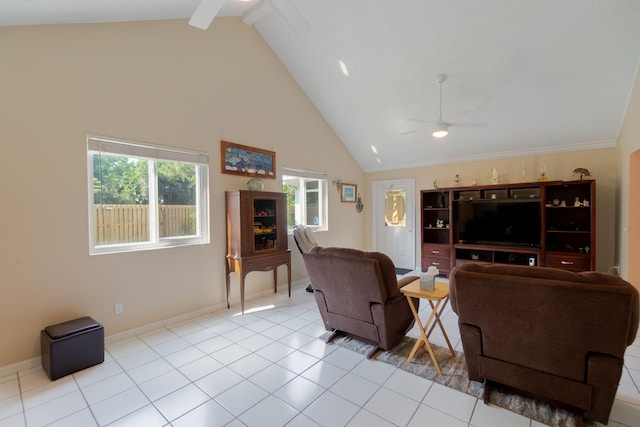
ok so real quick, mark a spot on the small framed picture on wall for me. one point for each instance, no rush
(348, 192)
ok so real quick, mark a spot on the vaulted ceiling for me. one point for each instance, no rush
(538, 76)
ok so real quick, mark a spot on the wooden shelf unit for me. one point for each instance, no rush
(436, 230)
(567, 230)
(570, 231)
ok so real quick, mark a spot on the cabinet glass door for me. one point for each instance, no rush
(265, 224)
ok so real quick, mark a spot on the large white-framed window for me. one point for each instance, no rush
(306, 197)
(144, 196)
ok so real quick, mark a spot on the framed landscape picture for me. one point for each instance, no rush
(248, 161)
(348, 192)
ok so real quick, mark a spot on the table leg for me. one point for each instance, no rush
(438, 314)
(423, 340)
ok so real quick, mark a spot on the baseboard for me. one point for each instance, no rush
(183, 317)
(36, 362)
(25, 365)
(159, 324)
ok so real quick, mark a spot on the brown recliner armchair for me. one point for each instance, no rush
(551, 334)
(358, 295)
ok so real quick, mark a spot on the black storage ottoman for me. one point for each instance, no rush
(71, 346)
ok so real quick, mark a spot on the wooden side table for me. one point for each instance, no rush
(441, 297)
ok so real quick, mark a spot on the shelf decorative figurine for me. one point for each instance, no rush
(495, 176)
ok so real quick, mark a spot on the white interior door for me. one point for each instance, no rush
(393, 221)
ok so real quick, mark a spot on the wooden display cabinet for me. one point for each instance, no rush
(256, 236)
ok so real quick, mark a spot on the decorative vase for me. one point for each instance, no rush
(255, 184)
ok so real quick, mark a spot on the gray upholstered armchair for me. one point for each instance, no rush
(552, 334)
(358, 294)
(305, 241)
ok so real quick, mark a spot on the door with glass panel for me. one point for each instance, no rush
(393, 221)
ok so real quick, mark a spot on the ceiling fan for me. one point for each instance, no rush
(207, 10)
(441, 128)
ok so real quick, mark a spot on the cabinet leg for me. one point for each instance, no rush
(226, 267)
(289, 277)
(275, 280)
(242, 292)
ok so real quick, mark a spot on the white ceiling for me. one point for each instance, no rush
(544, 75)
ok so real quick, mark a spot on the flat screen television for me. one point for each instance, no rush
(495, 222)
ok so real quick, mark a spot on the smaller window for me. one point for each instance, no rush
(306, 198)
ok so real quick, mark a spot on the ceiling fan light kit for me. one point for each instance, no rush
(441, 130)
(440, 133)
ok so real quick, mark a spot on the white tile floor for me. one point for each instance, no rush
(264, 368)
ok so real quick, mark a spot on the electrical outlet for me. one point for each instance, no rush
(118, 308)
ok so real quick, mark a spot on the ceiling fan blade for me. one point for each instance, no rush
(205, 13)
(413, 119)
(410, 132)
(460, 115)
(467, 125)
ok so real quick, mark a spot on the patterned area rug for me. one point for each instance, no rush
(454, 375)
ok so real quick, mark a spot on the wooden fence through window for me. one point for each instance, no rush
(130, 223)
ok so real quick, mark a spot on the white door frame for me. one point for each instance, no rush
(378, 208)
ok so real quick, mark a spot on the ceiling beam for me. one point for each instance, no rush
(256, 13)
(291, 15)
(205, 13)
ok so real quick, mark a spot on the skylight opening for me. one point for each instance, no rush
(343, 67)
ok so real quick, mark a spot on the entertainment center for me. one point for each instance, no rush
(549, 223)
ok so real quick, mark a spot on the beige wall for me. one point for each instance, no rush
(601, 163)
(629, 143)
(633, 215)
(161, 82)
